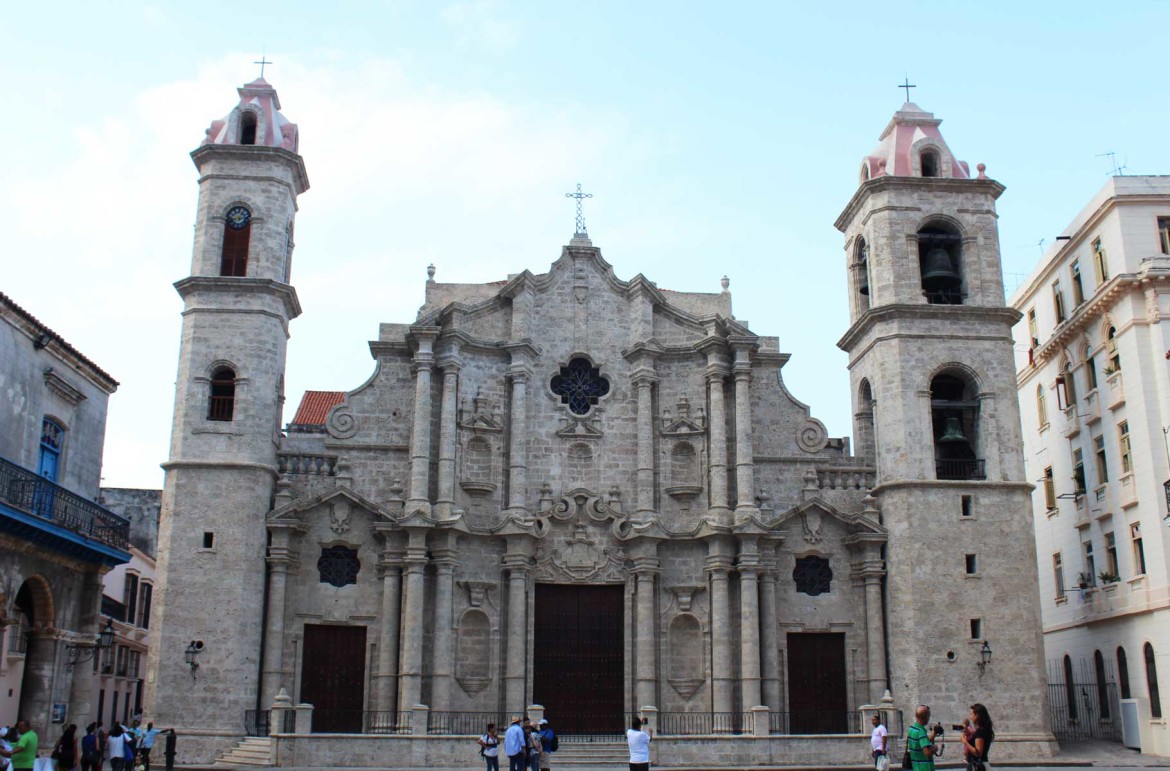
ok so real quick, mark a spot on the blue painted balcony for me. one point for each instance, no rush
(41, 512)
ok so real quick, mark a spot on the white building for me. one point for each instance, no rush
(1092, 355)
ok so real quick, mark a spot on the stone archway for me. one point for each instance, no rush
(34, 600)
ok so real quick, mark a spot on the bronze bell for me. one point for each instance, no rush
(864, 280)
(937, 272)
(952, 431)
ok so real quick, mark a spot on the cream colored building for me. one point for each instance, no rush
(1093, 362)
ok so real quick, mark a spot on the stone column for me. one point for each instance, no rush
(718, 568)
(443, 664)
(769, 638)
(445, 500)
(518, 445)
(644, 383)
(81, 689)
(517, 562)
(718, 450)
(40, 664)
(645, 629)
(279, 560)
(420, 437)
(871, 571)
(749, 625)
(744, 451)
(410, 668)
(391, 572)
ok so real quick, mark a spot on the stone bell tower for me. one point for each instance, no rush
(934, 390)
(229, 391)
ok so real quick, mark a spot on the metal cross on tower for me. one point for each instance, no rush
(581, 231)
(906, 85)
(263, 61)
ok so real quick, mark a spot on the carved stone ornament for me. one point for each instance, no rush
(581, 428)
(339, 516)
(481, 417)
(812, 436)
(478, 592)
(685, 595)
(811, 525)
(682, 422)
(589, 553)
(341, 423)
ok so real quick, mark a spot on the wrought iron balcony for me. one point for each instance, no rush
(34, 495)
(963, 468)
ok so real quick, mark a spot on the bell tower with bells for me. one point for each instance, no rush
(934, 391)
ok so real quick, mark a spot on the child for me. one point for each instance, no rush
(139, 762)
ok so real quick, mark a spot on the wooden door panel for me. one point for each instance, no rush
(333, 676)
(578, 662)
(817, 698)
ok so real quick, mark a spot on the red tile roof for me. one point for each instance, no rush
(315, 406)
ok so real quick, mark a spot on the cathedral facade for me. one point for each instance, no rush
(591, 494)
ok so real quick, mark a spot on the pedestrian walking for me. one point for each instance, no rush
(116, 745)
(91, 751)
(514, 746)
(548, 743)
(877, 743)
(489, 747)
(65, 750)
(23, 753)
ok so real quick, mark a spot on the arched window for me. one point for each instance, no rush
(52, 442)
(237, 232)
(1041, 406)
(1123, 672)
(1111, 351)
(865, 172)
(954, 407)
(1069, 382)
(861, 268)
(1070, 689)
(222, 403)
(1102, 685)
(940, 262)
(1152, 682)
(247, 127)
(929, 160)
(864, 420)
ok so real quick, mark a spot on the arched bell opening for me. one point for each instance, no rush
(929, 163)
(861, 271)
(247, 127)
(940, 261)
(954, 407)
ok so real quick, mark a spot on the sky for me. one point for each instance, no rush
(717, 138)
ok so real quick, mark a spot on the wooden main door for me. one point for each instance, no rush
(817, 699)
(578, 667)
(333, 677)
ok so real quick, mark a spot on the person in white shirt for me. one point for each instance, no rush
(878, 740)
(639, 736)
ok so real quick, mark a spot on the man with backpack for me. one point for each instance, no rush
(548, 743)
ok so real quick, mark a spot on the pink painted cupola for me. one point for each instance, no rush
(911, 146)
(256, 120)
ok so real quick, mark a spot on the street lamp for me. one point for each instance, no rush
(984, 658)
(80, 653)
(191, 656)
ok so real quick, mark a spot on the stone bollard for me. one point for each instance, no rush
(419, 719)
(280, 705)
(304, 719)
(535, 713)
(760, 716)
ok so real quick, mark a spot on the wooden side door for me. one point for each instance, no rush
(817, 697)
(333, 677)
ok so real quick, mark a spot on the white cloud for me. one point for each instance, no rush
(478, 24)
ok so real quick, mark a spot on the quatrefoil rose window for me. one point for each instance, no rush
(580, 385)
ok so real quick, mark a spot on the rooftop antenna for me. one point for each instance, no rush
(1114, 169)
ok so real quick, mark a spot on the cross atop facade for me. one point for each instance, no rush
(263, 61)
(581, 231)
(906, 85)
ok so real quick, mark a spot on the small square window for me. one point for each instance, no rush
(967, 506)
(208, 540)
(972, 565)
(976, 629)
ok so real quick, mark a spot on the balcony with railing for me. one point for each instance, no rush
(33, 508)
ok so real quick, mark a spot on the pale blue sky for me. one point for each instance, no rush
(717, 138)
